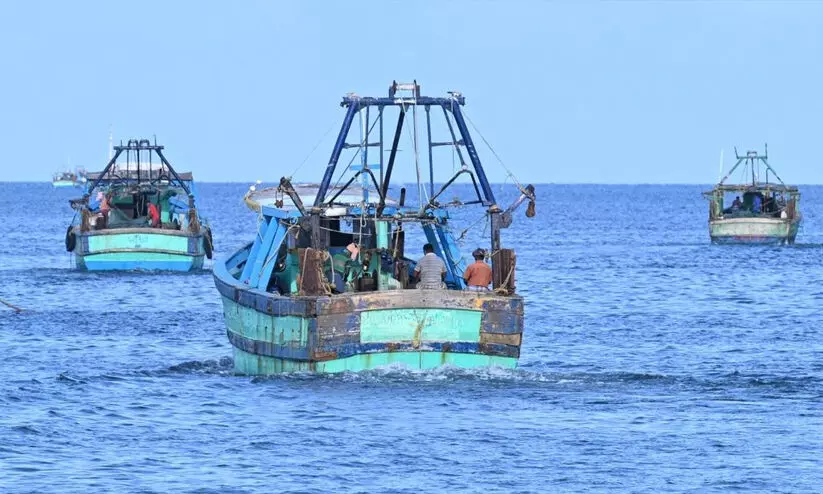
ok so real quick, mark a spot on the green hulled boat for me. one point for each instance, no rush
(326, 284)
(139, 215)
(755, 210)
(69, 178)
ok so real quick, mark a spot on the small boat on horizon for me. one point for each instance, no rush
(68, 178)
(139, 215)
(753, 211)
(327, 284)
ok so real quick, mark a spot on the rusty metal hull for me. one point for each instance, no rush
(421, 329)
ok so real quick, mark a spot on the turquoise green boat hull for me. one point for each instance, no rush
(63, 183)
(417, 329)
(754, 230)
(138, 249)
(251, 364)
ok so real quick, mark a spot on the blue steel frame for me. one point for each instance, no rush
(141, 145)
(275, 222)
(452, 104)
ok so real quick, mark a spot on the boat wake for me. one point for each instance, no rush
(491, 377)
(222, 366)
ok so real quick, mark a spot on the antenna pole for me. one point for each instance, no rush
(364, 146)
(431, 162)
(380, 116)
(754, 177)
(420, 187)
(720, 170)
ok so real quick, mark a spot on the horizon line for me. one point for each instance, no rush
(437, 183)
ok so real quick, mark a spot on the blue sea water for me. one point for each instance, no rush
(652, 362)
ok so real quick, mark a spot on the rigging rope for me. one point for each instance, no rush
(333, 125)
(11, 306)
(466, 230)
(421, 190)
(510, 174)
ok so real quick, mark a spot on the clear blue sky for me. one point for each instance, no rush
(619, 92)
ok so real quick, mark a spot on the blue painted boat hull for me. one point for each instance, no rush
(103, 263)
(143, 249)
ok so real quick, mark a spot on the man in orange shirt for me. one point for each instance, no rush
(154, 215)
(478, 276)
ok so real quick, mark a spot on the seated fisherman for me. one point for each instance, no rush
(737, 203)
(478, 276)
(430, 270)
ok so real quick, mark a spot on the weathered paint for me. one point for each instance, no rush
(138, 261)
(131, 241)
(138, 249)
(251, 364)
(249, 323)
(388, 325)
(753, 230)
(356, 331)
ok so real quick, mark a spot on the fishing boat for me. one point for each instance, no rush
(139, 215)
(753, 211)
(327, 285)
(69, 178)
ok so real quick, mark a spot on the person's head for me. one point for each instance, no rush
(737, 198)
(479, 254)
(428, 248)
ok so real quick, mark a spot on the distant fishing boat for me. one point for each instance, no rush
(69, 178)
(139, 215)
(326, 285)
(753, 211)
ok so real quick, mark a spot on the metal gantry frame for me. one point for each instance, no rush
(451, 109)
(135, 145)
(751, 158)
(405, 97)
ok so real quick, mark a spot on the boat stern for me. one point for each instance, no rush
(138, 249)
(754, 230)
(418, 329)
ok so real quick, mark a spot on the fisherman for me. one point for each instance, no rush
(154, 215)
(102, 221)
(737, 203)
(478, 276)
(430, 270)
(769, 204)
(756, 202)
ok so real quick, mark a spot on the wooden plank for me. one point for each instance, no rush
(503, 267)
(502, 339)
(267, 267)
(255, 248)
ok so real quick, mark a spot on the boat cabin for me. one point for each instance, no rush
(759, 201)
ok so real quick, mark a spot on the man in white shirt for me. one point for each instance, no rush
(430, 270)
